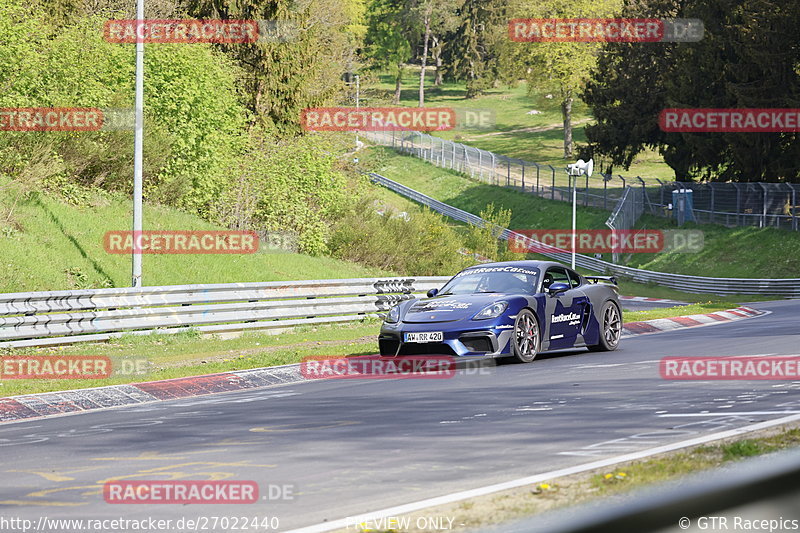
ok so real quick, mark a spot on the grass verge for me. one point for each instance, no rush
(515, 133)
(192, 354)
(622, 480)
(681, 310)
(47, 244)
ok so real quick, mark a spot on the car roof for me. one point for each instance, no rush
(526, 264)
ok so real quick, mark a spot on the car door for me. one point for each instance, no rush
(565, 311)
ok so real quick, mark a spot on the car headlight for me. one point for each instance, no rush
(394, 315)
(491, 311)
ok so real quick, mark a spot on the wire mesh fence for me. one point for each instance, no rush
(730, 204)
(626, 213)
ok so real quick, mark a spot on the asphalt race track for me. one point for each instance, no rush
(348, 447)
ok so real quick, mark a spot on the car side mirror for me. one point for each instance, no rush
(558, 288)
(432, 293)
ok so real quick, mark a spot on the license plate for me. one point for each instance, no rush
(427, 336)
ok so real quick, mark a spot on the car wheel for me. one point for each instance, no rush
(526, 341)
(610, 328)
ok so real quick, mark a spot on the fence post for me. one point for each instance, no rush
(764, 209)
(494, 176)
(538, 188)
(793, 207)
(711, 185)
(523, 174)
(553, 189)
(586, 192)
(605, 190)
(508, 172)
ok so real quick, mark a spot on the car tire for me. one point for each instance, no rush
(527, 337)
(610, 328)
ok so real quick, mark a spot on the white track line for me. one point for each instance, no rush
(536, 478)
(735, 413)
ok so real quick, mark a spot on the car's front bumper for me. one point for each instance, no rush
(465, 341)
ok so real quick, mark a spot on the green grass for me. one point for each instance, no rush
(511, 134)
(680, 310)
(46, 244)
(190, 354)
(619, 481)
(727, 252)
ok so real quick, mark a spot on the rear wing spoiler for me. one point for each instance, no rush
(597, 279)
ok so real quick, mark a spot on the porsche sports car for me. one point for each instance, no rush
(510, 309)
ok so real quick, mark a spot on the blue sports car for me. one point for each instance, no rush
(516, 309)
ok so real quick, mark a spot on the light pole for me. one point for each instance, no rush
(579, 168)
(136, 257)
(358, 99)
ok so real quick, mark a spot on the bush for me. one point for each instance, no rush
(290, 185)
(195, 124)
(419, 244)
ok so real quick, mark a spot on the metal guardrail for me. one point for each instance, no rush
(696, 284)
(65, 317)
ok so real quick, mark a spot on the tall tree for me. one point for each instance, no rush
(473, 46)
(387, 42)
(560, 66)
(434, 18)
(748, 58)
(300, 63)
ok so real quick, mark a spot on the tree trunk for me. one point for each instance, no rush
(437, 57)
(566, 113)
(397, 83)
(424, 60)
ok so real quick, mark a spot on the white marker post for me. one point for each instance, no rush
(136, 258)
(579, 168)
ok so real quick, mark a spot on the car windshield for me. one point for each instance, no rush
(506, 280)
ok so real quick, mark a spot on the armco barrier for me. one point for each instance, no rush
(696, 284)
(65, 317)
